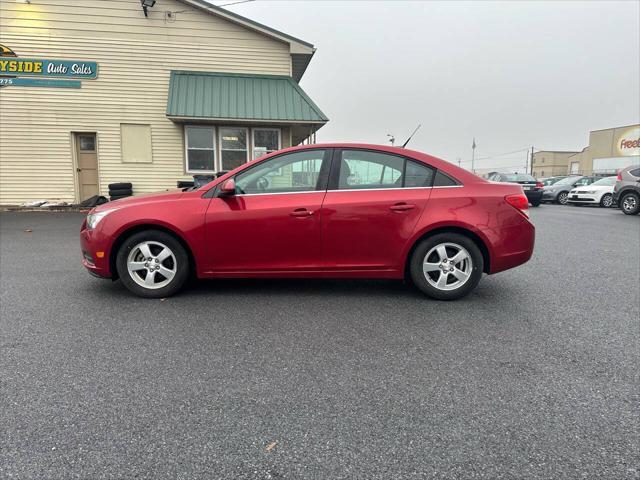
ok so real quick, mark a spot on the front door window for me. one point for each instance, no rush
(292, 172)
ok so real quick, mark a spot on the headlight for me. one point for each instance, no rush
(591, 192)
(94, 218)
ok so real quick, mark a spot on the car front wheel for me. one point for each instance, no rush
(606, 200)
(152, 264)
(630, 203)
(562, 198)
(446, 266)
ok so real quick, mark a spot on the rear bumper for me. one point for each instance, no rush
(511, 246)
(534, 196)
(93, 244)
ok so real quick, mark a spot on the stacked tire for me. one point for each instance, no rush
(120, 190)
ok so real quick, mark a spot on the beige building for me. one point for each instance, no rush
(97, 92)
(549, 163)
(609, 151)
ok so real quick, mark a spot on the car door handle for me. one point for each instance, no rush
(301, 212)
(401, 207)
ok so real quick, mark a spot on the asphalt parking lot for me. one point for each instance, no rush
(534, 375)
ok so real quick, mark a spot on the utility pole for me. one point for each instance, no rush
(473, 155)
(459, 162)
(531, 159)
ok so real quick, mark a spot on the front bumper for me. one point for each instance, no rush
(95, 252)
(582, 198)
(548, 196)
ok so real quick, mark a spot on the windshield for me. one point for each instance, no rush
(567, 181)
(551, 181)
(517, 177)
(607, 181)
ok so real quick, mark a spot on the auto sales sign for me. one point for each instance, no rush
(36, 72)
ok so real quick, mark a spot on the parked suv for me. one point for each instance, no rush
(627, 190)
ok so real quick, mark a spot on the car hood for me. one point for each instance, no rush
(140, 200)
(594, 187)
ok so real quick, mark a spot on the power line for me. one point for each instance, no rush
(235, 3)
(505, 153)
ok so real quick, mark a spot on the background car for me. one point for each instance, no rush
(532, 188)
(317, 211)
(599, 192)
(626, 192)
(559, 191)
(551, 180)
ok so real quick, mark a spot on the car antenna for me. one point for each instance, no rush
(411, 136)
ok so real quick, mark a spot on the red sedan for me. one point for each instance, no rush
(332, 210)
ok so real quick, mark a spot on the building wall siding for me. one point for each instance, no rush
(135, 56)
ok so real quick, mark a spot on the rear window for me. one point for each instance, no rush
(444, 180)
(517, 177)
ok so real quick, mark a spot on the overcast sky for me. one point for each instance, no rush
(510, 74)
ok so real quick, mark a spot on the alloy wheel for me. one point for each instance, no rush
(607, 201)
(151, 264)
(447, 266)
(562, 198)
(629, 203)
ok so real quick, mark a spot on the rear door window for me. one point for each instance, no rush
(365, 169)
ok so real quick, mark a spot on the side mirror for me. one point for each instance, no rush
(228, 188)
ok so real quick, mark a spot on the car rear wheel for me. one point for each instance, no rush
(630, 203)
(606, 200)
(446, 266)
(562, 198)
(152, 264)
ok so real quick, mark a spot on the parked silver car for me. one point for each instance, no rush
(559, 191)
(627, 190)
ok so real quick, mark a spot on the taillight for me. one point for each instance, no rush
(539, 185)
(519, 202)
(619, 177)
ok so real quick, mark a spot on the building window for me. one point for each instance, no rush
(575, 166)
(87, 143)
(233, 147)
(135, 143)
(201, 147)
(265, 140)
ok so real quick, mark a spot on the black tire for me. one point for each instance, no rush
(630, 203)
(160, 240)
(607, 200)
(426, 246)
(118, 197)
(536, 204)
(184, 184)
(562, 198)
(121, 185)
(118, 192)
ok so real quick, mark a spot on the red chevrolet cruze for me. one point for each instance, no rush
(332, 210)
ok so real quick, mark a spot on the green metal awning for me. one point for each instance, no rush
(240, 98)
